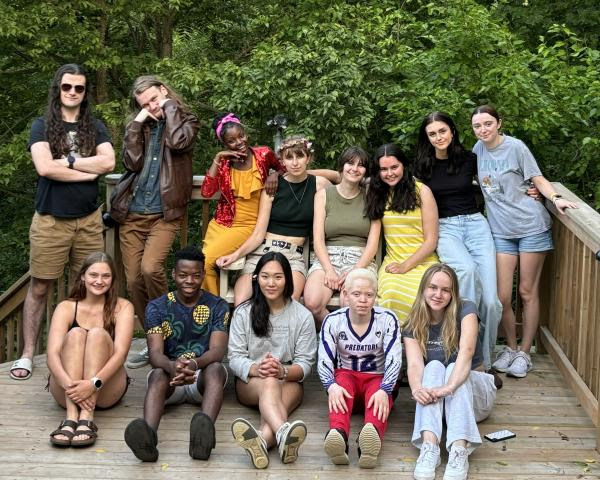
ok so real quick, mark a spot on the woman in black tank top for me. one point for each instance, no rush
(284, 220)
(88, 342)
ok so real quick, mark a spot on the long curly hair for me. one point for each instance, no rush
(403, 197)
(419, 318)
(55, 130)
(426, 151)
(79, 291)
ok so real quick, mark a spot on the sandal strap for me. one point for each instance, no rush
(68, 423)
(88, 423)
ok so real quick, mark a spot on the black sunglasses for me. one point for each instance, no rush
(66, 87)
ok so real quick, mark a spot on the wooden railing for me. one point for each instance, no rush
(570, 302)
(570, 297)
(12, 301)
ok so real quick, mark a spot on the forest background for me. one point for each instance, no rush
(342, 72)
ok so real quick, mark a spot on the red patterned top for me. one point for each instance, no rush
(225, 212)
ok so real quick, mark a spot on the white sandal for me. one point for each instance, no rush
(22, 364)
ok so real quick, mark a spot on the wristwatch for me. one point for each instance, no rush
(97, 383)
(71, 160)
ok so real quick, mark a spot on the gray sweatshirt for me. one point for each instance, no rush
(293, 339)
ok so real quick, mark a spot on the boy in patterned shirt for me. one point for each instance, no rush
(187, 334)
(360, 355)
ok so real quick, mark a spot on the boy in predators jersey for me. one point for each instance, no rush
(360, 355)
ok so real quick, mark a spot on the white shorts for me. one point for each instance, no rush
(187, 393)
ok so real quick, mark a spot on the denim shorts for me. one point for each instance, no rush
(540, 242)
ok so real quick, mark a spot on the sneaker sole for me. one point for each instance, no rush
(202, 436)
(247, 437)
(500, 369)
(335, 448)
(294, 438)
(370, 446)
(140, 438)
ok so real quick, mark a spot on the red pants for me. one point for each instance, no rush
(361, 386)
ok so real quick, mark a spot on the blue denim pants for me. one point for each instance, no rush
(466, 244)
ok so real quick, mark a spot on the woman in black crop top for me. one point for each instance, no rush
(465, 240)
(284, 220)
(88, 342)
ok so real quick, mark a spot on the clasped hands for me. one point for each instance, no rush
(183, 372)
(334, 281)
(270, 366)
(82, 393)
(425, 395)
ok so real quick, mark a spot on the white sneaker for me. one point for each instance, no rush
(369, 446)
(289, 438)
(428, 461)
(138, 360)
(504, 359)
(250, 440)
(458, 464)
(520, 365)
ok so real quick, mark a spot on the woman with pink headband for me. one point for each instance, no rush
(240, 173)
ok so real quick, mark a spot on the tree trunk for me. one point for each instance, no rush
(164, 34)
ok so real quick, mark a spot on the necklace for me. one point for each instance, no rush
(303, 191)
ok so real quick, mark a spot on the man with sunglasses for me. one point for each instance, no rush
(70, 149)
(153, 195)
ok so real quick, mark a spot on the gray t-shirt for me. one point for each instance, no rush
(504, 173)
(435, 346)
(293, 339)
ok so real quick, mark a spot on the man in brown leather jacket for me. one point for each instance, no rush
(157, 153)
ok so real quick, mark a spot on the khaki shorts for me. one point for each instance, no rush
(292, 252)
(187, 393)
(54, 242)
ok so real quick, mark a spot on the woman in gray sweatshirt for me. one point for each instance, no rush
(272, 347)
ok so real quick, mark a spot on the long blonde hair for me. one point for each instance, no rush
(419, 318)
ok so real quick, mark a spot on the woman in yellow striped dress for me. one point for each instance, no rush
(409, 216)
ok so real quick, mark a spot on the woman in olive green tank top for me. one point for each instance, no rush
(344, 237)
(284, 220)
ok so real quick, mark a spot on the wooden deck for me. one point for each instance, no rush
(555, 437)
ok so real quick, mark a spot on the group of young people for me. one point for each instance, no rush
(445, 314)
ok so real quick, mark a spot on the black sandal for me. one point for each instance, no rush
(91, 434)
(59, 442)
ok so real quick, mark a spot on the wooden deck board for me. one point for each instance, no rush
(555, 438)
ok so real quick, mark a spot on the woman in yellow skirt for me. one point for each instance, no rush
(409, 217)
(240, 173)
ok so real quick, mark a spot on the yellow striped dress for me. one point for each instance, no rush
(403, 233)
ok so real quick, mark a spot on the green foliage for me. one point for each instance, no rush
(343, 72)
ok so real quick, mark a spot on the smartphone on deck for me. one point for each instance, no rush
(499, 435)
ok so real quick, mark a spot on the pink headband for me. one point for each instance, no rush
(229, 118)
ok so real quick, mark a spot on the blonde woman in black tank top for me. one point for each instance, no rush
(88, 342)
(284, 220)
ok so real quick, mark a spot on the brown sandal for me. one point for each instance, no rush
(60, 442)
(91, 434)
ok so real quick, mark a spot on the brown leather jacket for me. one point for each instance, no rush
(177, 147)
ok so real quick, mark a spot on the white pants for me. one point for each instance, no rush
(472, 402)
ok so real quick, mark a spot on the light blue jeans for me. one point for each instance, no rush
(466, 244)
(472, 402)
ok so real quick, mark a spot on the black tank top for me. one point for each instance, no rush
(293, 208)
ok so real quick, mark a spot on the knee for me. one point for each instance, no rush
(76, 336)
(527, 293)
(97, 335)
(158, 378)
(270, 385)
(39, 288)
(214, 372)
(151, 269)
(433, 374)
(312, 303)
